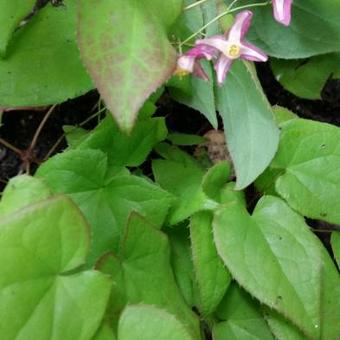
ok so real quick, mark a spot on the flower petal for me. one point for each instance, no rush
(218, 42)
(251, 52)
(202, 51)
(222, 66)
(282, 11)
(240, 27)
(185, 63)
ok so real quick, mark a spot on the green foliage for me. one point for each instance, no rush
(127, 65)
(251, 133)
(105, 194)
(43, 291)
(125, 236)
(42, 64)
(315, 29)
(11, 13)
(306, 78)
(158, 324)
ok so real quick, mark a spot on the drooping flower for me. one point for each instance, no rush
(282, 11)
(233, 46)
(190, 61)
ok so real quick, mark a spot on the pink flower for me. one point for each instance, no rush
(233, 46)
(282, 11)
(189, 62)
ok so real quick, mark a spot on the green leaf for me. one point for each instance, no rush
(306, 79)
(181, 261)
(251, 133)
(315, 29)
(212, 277)
(105, 333)
(196, 93)
(104, 194)
(307, 168)
(243, 319)
(143, 274)
(281, 327)
(21, 191)
(43, 66)
(125, 47)
(185, 139)
(42, 297)
(183, 179)
(214, 180)
(145, 322)
(282, 114)
(122, 149)
(275, 257)
(11, 13)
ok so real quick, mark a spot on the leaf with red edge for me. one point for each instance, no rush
(125, 47)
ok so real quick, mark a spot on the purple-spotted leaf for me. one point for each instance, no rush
(125, 47)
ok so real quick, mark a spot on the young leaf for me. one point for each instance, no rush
(306, 78)
(125, 47)
(122, 149)
(184, 180)
(145, 322)
(307, 169)
(41, 244)
(196, 93)
(275, 257)
(42, 65)
(11, 13)
(104, 194)
(142, 271)
(251, 133)
(299, 39)
(212, 277)
(215, 179)
(243, 319)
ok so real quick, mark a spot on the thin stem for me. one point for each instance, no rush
(197, 3)
(40, 127)
(10, 146)
(227, 11)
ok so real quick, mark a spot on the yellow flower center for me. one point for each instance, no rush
(180, 72)
(233, 51)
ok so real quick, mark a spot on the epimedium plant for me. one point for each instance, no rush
(94, 247)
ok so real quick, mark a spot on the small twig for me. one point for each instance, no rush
(227, 11)
(40, 127)
(10, 146)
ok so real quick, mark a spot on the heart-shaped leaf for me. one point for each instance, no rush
(274, 256)
(306, 169)
(41, 245)
(42, 64)
(142, 273)
(105, 195)
(145, 322)
(125, 47)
